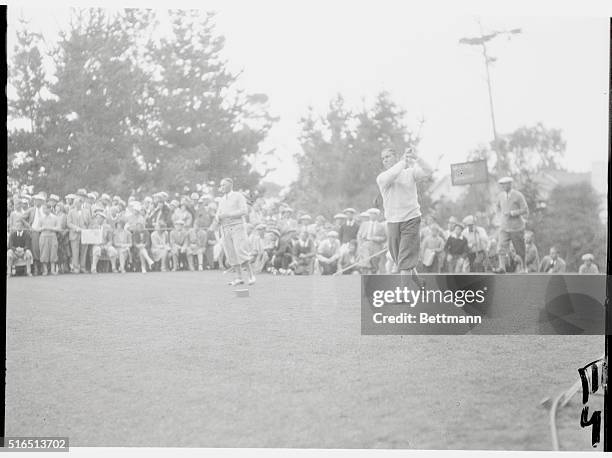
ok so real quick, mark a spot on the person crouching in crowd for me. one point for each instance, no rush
(371, 237)
(328, 254)
(514, 263)
(197, 240)
(141, 240)
(160, 247)
(271, 242)
(178, 240)
(122, 240)
(347, 262)
(106, 248)
(532, 258)
(282, 260)
(432, 250)
(48, 240)
(588, 266)
(304, 253)
(19, 248)
(456, 249)
(552, 263)
(478, 241)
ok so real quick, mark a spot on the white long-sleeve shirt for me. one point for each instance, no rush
(399, 192)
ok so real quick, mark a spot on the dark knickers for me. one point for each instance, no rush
(404, 242)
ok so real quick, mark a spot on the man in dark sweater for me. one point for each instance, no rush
(19, 249)
(348, 231)
(456, 249)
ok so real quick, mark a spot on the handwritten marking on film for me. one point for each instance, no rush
(592, 377)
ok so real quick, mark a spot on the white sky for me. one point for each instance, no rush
(303, 53)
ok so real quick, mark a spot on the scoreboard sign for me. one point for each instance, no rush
(469, 173)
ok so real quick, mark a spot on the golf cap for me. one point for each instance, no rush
(505, 180)
(373, 211)
(349, 210)
(339, 216)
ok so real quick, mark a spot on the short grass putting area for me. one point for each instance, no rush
(177, 359)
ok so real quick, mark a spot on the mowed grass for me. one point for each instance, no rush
(175, 359)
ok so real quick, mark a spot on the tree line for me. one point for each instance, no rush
(116, 105)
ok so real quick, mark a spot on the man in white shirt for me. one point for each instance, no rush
(231, 214)
(398, 189)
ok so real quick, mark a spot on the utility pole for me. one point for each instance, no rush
(481, 41)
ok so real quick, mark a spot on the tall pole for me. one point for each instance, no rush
(491, 108)
(482, 42)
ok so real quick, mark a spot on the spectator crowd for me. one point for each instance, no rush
(88, 232)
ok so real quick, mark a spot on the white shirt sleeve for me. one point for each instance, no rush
(384, 179)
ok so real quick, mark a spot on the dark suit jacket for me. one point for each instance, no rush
(25, 241)
(348, 233)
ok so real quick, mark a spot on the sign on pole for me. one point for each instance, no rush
(469, 172)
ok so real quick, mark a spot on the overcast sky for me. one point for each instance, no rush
(303, 53)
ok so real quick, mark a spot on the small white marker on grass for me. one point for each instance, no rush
(243, 292)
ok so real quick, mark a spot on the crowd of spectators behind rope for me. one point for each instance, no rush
(160, 233)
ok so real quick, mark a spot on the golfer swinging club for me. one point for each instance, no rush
(231, 215)
(398, 188)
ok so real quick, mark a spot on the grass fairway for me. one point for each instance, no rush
(174, 359)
